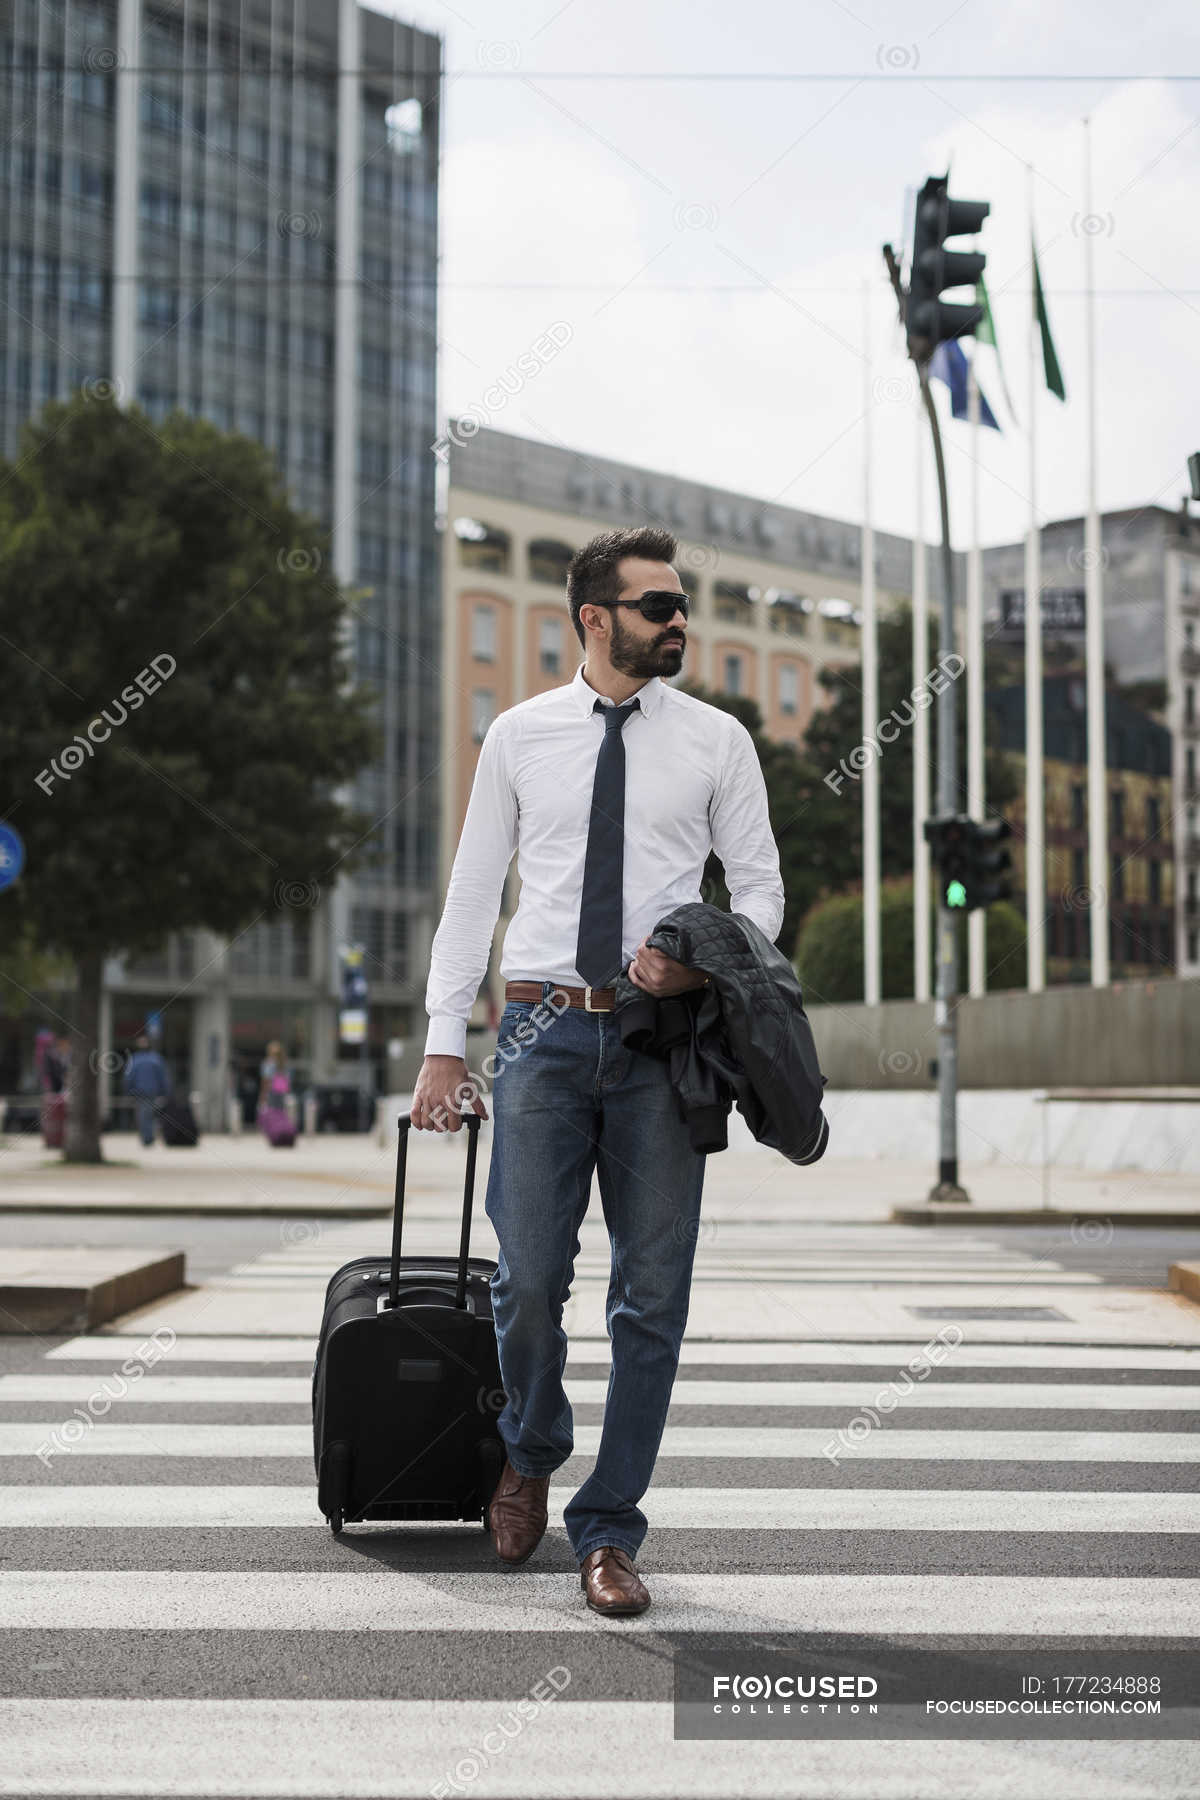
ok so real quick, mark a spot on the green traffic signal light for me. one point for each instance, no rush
(956, 894)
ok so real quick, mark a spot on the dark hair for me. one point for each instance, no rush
(592, 578)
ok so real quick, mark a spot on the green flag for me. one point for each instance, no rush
(985, 333)
(1054, 380)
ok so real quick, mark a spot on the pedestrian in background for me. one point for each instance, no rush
(274, 1078)
(148, 1080)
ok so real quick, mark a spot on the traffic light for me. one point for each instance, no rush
(988, 862)
(949, 841)
(970, 860)
(928, 319)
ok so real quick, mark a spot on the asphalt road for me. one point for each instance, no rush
(179, 1620)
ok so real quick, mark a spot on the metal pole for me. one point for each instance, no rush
(947, 1186)
(1098, 876)
(920, 637)
(976, 927)
(1035, 792)
(870, 696)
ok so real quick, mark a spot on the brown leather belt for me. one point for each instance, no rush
(590, 998)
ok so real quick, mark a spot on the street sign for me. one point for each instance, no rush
(352, 1015)
(12, 855)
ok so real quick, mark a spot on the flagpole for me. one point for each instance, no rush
(1035, 804)
(870, 698)
(1094, 610)
(920, 663)
(973, 649)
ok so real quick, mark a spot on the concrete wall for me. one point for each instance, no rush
(1136, 1034)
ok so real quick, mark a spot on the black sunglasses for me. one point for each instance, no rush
(657, 606)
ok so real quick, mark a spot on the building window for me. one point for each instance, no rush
(787, 688)
(1077, 812)
(1118, 813)
(483, 633)
(550, 646)
(1193, 946)
(785, 610)
(1118, 878)
(403, 121)
(375, 367)
(1155, 882)
(1153, 816)
(733, 675)
(374, 459)
(157, 305)
(548, 561)
(733, 602)
(482, 547)
(1189, 703)
(91, 184)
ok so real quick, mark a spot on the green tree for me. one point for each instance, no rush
(829, 954)
(835, 734)
(804, 817)
(178, 715)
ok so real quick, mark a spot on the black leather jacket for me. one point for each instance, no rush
(744, 1037)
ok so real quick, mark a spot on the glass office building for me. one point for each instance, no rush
(232, 208)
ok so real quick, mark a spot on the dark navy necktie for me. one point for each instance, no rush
(598, 952)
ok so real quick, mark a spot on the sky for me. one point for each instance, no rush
(713, 247)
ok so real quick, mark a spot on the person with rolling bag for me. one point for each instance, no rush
(612, 790)
(406, 1383)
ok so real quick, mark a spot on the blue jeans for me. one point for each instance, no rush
(566, 1100)
(147, 1110)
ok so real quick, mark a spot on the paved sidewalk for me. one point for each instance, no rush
(351, 1176)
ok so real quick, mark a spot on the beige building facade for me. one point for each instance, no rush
(775, 597)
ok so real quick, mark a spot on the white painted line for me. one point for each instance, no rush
(389, 1600)
(393, 1748)
(719, 1442)
(906, 1392)
(110, 1347)
(668, 1509)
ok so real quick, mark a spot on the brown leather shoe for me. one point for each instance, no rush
(517, 1514)
(611, 1583)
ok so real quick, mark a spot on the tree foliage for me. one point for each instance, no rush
(835, 735)
(829, 955)
(178, 715)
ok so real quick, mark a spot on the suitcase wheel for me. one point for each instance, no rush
(491, 1462)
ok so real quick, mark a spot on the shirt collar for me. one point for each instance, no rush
(585, 696)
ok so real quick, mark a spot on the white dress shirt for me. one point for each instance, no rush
(693, 783)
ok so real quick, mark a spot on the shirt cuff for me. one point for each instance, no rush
(447, 1036)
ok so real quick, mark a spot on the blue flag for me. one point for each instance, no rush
(948, 364)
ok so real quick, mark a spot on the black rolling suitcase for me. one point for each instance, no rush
(179, 1127)
(406, 1383)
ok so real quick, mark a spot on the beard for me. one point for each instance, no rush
(633, 655)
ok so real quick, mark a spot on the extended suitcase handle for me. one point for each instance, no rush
(404, 1123)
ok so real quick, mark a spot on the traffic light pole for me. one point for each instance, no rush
(945, 1006)
(946, 1003)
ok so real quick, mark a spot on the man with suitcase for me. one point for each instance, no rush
(613, 828)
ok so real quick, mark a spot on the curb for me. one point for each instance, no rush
(55, 1293)
(1184, 1278)
(157, 1210)
(940, 1212)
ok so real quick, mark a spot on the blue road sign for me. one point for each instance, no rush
(12, 855)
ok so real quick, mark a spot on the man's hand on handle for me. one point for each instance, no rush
(444, 1091)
